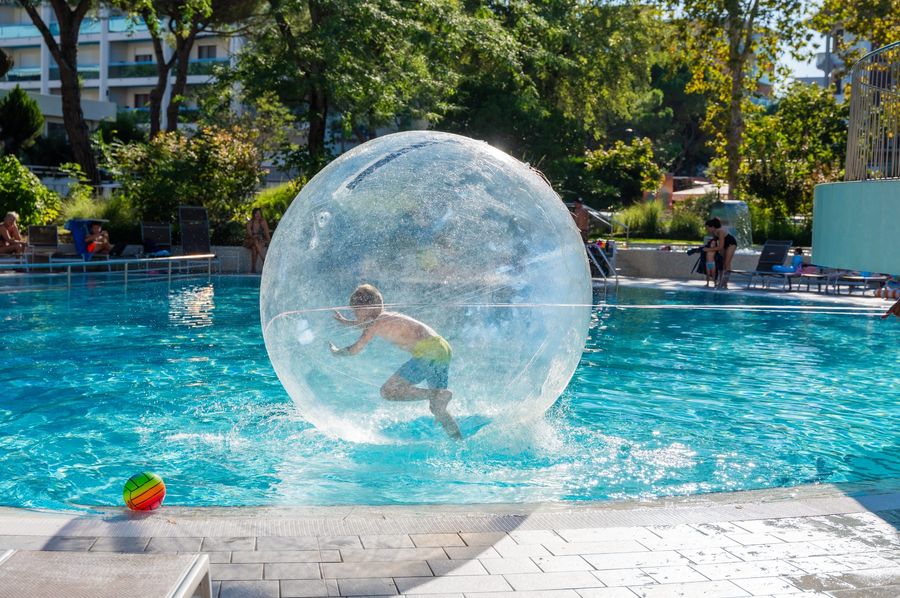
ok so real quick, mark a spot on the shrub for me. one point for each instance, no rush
(643, 218)
(621, 173)
(274, 201)
(21, 120)
(768, 223)
(82, 204)
(685, 225)
(215, 168)
(22, 192)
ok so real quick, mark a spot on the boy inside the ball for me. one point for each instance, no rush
(431, 354)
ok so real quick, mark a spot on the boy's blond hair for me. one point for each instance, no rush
(367, 295)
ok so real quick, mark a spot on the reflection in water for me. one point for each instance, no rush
(192, 306)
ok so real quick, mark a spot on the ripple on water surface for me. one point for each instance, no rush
(103, 382)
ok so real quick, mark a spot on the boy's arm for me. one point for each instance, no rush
(343, 319)
(367, 335)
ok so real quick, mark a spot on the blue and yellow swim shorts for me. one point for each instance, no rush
(430, 362)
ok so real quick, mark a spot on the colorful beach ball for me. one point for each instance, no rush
(144, 492)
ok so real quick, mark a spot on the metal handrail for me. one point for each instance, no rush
(125, 262)
(873, 136)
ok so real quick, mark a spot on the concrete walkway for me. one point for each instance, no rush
(814, 540)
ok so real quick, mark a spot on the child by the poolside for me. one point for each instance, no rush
(710, 250)
(431, 354)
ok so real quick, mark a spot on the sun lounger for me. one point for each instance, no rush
(774, 253)
(858, 281)
(103, 575)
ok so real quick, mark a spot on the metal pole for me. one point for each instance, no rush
(69, 276)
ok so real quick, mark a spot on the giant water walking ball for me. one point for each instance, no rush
(144, 492)
(452, 232)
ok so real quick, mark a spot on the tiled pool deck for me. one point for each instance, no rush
(815, 540)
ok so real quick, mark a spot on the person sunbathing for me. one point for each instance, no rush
(10, 239)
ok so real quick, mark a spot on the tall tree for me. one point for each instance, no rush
(176, 24)
(366, 61)
(730, 45)
(69, 16)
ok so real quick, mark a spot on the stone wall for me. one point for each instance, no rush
(648, 263)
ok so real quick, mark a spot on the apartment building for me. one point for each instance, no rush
(115, 57)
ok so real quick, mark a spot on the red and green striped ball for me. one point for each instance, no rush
(144, 492)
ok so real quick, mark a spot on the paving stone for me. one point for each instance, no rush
(701, 556)
(513, 565)
(436, 540)
(770, 568)
(535, 537)
(853, 562)
(626, 560)
(607, 534)
(471, 552)
(353, 555)
(553, 581)
(535, 594)
(387, 541)
(372, 586)
(483, 538)
(218, 557)
(292, 571)
(228, 544)
(707, 589)
(818, 564)
(765, 552)
(871, 577)
(550, 564)
(624, 577)
(339, 542)
(818, 582)
(576, 548)
(447, 567)
(842, 546)
(68, 544)
(249, 589)
(241, 572)
(370, 569)
(280, 556)
(684, 536)
(749, 539)
(120, 545)
(758, 586)
(24, 542)
(158, 544)
(445, 595)
(287, 543)
(606, 593)
(462, 583)
(883, 592)
(511, 549)
(303, 588)
(674, 574)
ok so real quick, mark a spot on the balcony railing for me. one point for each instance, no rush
(873, 151)
(88, 26)
(23, 74)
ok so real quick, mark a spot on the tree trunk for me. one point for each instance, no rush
(65, 53)
(162, 76)
(183, 47)
(317, 97)
(734, 127)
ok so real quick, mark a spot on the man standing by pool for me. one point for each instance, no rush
(582, 219)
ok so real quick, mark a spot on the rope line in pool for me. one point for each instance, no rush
(803, 309)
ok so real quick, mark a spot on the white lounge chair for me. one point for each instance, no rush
(103, 574)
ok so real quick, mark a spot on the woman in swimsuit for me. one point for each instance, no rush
(10, 239)
(726, 244)
(257, 238)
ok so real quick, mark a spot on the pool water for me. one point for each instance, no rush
(734, 392)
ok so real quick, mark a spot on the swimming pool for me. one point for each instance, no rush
(732, 393)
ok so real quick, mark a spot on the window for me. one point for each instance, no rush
(141, 100)
(143, 57)
(206, 52)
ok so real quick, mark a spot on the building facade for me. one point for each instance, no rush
(115, 57)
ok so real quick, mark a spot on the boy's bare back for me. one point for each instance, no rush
(401, 330)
